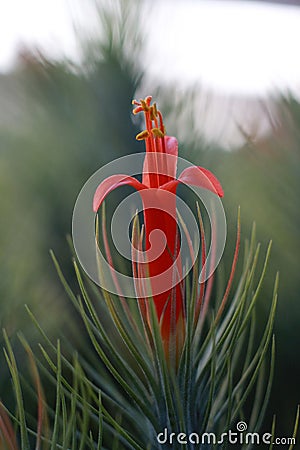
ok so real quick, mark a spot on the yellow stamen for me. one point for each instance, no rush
(152, 116)
(153, 111)
(144, 105)
(143, 135)
(157, 132)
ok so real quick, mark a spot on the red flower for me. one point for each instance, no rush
(161, 242)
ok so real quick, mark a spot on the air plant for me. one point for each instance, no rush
(181, 360)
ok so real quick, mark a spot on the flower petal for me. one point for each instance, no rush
(111, 183)
(171, 186)
(160, 167)
(199, 176)
(196, 176)
(171, 149)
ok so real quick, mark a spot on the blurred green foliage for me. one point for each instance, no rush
(57, 127)
(59, 124)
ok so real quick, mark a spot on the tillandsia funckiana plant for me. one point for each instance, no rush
(179, 365)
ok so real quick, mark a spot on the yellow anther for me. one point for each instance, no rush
(152, 113)
(144, 105)
(143, 135)
(157, 132)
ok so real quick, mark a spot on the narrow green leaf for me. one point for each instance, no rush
(12, 364)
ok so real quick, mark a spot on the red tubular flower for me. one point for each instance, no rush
(161, 243)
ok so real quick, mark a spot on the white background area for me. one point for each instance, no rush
(235, 47)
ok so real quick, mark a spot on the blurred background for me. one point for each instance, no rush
(226, 76)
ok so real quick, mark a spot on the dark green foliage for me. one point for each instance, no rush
(123, 391)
